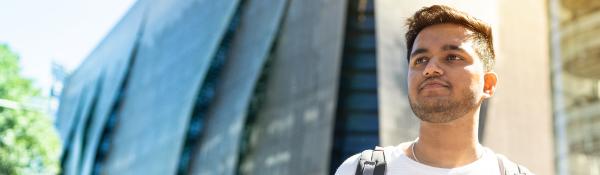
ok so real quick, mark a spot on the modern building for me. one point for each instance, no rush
(59, 74)
(297, 86)
(575, 43)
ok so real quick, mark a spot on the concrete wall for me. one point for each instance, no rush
(520, 114)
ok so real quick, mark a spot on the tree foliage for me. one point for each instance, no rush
(28, 142)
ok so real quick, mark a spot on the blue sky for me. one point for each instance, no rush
(61, 31)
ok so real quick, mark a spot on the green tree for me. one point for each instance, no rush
(28, 141)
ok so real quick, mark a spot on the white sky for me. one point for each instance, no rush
(63, 31)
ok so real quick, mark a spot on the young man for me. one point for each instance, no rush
(450, 73)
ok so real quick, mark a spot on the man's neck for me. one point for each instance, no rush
(449, 145)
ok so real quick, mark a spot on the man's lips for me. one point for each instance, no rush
(433, 84)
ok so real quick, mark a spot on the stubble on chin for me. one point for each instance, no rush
(444, 110)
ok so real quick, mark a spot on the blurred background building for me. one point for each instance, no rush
(297, 86)
(575, 36)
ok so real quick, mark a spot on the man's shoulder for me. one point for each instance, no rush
(510, 166)
(350, 164)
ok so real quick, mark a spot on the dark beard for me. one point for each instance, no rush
(445, 110)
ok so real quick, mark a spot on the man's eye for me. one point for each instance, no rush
(454, 58)
(420, 60)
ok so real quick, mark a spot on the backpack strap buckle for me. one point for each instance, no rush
(371, 162)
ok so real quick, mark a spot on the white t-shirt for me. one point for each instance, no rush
(398, 163)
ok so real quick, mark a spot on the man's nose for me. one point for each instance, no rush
(433, 69)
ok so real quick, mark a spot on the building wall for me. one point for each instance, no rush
(90, 93)
(225, 125)
(576, 85)
(131, 101)
(292, 131)
(521, 110)
(169, 68)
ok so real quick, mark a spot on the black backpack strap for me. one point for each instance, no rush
(508, 167)
(371, 162)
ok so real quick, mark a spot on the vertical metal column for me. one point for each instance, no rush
(560, 118)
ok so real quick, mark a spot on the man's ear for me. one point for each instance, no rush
(489, 84)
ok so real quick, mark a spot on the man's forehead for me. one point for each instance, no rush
(444, 37)
(448, 27)
(444, 32)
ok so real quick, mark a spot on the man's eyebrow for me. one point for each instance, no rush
(418, 51)
(453, 47)
(446, 47)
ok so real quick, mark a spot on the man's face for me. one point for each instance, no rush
(446, 77)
